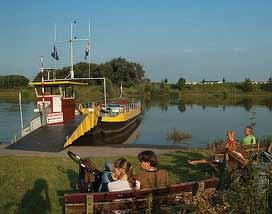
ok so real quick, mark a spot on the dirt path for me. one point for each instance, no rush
(86, 151)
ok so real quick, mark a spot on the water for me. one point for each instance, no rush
(10, 119)
(205, 123)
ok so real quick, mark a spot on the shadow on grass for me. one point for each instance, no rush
(180, 169)
(36, 200)
(73, 179)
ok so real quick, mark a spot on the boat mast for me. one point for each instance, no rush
(71, 51)
(43, 92)
(74, 39)
(71, 41)
(89, 46)
(55, 39)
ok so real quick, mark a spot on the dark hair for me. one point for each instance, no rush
(148, 156)
(250, 129)
(126, 165)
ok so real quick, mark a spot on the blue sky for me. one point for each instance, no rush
(194, 39)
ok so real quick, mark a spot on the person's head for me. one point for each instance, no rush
(122, 169)
(148, 159)
(230, 135)
(248, 131)
(108, 166)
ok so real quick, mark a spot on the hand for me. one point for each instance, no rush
(114, 177)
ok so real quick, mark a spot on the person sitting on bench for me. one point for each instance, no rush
(235, 153)
(249, 138)
(152, 177)
(123, 177)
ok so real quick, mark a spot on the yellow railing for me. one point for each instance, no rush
(89, 122)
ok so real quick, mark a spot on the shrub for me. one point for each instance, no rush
(177, 136)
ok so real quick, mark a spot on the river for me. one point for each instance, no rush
(204, 123)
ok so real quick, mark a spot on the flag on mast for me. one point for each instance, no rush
(54, 54)
(87, 50)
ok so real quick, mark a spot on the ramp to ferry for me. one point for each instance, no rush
(48, 138)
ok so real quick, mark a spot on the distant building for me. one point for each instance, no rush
(259, 82)
(190, 82)
(211, 82)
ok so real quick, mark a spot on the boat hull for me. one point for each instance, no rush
(106, 133)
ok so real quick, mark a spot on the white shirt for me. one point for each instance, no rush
(121, 185)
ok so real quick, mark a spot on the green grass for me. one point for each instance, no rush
(37, 184)
(12, 95)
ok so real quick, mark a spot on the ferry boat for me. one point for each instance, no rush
(60, 122)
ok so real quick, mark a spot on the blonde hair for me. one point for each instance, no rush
(230, 133)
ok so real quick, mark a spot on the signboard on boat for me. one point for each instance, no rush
(54, 118)
(57, 104)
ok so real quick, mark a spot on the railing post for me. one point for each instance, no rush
(198, 188)
(89, 204)
(149, 204)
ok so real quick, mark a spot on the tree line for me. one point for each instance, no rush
(13, 81)
(116, 70)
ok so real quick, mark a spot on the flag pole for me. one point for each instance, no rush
(55, 61)
(71, 52)
(89, 57)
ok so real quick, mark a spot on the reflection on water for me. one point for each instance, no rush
(206, 120)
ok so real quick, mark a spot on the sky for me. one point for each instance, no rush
(193, 39)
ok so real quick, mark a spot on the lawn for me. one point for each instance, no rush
(37, 184)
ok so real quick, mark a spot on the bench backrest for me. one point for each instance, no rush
(134, 200)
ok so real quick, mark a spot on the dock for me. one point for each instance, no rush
(48, 138)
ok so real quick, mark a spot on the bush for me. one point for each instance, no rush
(177, 136)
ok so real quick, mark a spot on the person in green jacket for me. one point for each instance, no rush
(249, 138)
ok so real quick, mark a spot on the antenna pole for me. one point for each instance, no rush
(71, 40)
(43, 100)
(89, 57)
(71, 52)
(55, 61)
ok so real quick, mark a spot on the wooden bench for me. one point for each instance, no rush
(145, 200)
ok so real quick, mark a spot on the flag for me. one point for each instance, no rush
(87, 50)
(54, 54)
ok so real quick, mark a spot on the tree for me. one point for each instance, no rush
(165, 80)
(268, 85)
(223, 80)
(117, 70)
(13, 81)
(181, 83)
(247, 85)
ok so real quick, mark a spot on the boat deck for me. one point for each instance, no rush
(47, 138)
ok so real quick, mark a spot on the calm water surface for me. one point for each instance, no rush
(10, 119)
(204, 123)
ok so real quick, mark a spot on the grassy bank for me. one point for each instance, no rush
(12, 95)
(38, 183)
(199, 94)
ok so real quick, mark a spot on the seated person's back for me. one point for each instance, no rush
(123, 177)
(151, 177)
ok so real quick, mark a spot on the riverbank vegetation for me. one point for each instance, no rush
(131, 76)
